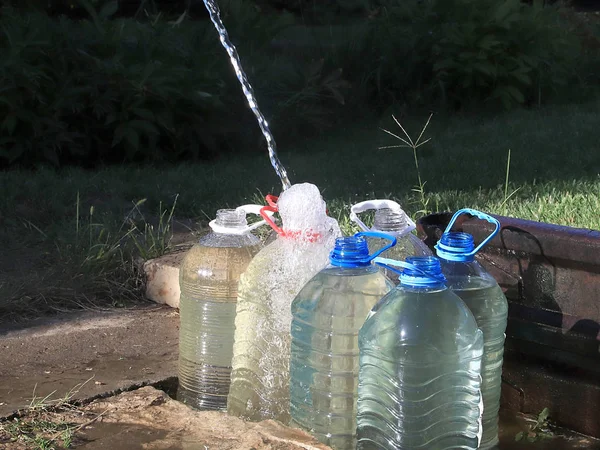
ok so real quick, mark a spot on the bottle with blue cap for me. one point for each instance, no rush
(327, 315)
(208, 280)
(390, 218)
(420, 363)
(480, 291)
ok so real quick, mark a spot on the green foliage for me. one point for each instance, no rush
(114, 90)
(461, 52)
(537, 431)
(105, 90)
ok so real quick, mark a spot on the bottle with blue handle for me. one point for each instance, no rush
(327, 315)
(480, 291)
(390, 218)
(420, 361)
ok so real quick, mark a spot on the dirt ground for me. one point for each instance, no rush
(148, 418)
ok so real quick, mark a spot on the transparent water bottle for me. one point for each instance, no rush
(391, 219)
(260, 376)
(480, 291)
(327, 315)
(208, 279)
(420, 361)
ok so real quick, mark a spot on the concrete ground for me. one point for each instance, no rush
(99, 354)
(93, 353)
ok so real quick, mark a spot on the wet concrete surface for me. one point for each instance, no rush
(91, 353)
(149, 419)
(115, 351)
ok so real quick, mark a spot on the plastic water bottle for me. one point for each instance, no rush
(208, 279)
(260, 376)
(420, 361)
(327, 315)
(480, 291)
(390, 219)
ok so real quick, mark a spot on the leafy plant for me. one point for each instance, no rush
(118, 90)
(538, 430)
(408, 142)
(464, 52)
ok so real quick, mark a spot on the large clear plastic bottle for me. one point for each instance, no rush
(208, 279)
(260, 376)
(390, 218)
(480, 291)
(327, 315)
(420, 361)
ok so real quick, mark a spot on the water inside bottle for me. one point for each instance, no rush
(328, 313)
(488, 304)
(420, 361)
(209, 277)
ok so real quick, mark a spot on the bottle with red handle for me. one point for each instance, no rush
(260, 369)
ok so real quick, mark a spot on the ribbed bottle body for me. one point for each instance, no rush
(327, 316)
(488, 304)
(208, 281)
(260, 376)
(419, 376)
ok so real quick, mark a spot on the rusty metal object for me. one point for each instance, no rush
(551, 277)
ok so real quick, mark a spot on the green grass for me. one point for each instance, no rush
(555, 170)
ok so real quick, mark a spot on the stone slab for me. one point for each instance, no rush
(90, 353)
(162, 279)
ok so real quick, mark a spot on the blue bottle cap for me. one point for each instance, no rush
(419, 271)
(353, 251)
(456, 246)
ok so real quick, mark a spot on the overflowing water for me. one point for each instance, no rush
(215, 16)
(260, 376)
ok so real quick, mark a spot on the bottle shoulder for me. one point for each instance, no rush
(329, 287)
(222, 240)
(467, 274)
(420, 315)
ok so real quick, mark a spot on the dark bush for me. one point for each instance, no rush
(460, 52)
(99, 90)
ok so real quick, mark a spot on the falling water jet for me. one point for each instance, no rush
(215, 16)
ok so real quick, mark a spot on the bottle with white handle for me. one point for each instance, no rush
(208, 279)
(390, 218)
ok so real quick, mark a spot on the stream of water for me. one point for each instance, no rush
(215, 16)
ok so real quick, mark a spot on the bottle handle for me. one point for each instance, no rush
(479, 215)
(378, 234)
(255, 209)
(248, 209)
(272, 200)
(379, 204)
(267, 212)
(389, 263)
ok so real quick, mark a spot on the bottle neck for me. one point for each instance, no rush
(456, 246)
(390, 221)
(425, 273)
(350, 252)
(234, 219)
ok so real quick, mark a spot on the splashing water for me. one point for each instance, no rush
(215, 16)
